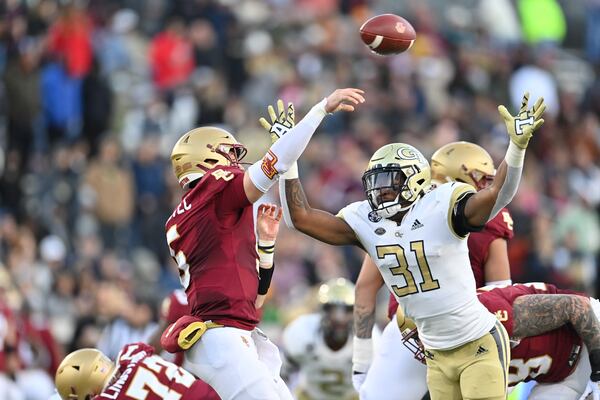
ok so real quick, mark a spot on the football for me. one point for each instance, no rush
(387, 34)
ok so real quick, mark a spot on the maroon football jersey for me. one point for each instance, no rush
(547, 358)
(143, 375)
(501, 227)
(211, 236)
(479, 243)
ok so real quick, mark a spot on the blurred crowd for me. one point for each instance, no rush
(94, 94)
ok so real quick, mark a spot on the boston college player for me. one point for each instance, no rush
(137, 374)
(211, 236)
(551, 331)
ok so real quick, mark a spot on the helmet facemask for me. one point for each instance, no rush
(480, 179)
(387, 188)
(233, 152)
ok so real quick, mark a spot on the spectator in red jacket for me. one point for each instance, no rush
(171, 56)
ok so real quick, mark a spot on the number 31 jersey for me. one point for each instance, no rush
(425, 264)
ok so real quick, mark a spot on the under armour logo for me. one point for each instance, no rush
(481, 350)
(520, 122)
(416, 225)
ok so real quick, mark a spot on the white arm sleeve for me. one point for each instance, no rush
(284, 152)
(514, 161)
(284, 206)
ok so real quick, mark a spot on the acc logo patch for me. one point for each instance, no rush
(374, 217)
(380, 231)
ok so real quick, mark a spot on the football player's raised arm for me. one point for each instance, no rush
(485, 204)
(313, 222)
(286, 151)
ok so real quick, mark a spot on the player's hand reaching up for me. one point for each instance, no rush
(267, 222)
(344, 100)
(281, 122)
(521, 128)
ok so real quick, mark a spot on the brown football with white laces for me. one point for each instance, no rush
(388, 34)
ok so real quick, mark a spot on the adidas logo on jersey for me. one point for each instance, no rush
(481, 350)
(416, 225)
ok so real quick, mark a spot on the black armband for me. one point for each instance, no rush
(264, 279)
(459, 221)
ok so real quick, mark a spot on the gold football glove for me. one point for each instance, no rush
(521, 128)
(281, 123)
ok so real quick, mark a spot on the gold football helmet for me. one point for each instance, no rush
(83, 374)
(397, 175)
(410, 336)
(201, 149)
(463, 162)
(337, 291)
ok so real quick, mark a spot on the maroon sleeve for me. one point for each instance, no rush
(501, 226)
(133, 351)
(200, 390)
(499, 306)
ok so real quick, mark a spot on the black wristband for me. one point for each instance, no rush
(264, 276)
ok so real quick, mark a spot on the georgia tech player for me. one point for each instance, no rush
(394, 369)
(319, 345)
(137, 374)
(417, 239)
(549, 328)
(211, 237)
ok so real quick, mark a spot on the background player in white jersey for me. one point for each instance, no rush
(318, 346)
(394, 369)
(411, 232)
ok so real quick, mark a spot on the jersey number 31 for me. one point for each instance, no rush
(401, 268)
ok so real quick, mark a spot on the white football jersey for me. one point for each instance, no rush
(426, 265)
(324, 374)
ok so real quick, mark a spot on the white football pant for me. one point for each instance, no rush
(394, 373)
(238, 364)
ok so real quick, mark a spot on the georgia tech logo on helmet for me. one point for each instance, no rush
(406, 153)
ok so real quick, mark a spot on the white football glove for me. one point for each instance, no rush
(592, 392)
(281, 122)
